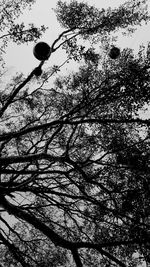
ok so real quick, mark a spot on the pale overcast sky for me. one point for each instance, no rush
(20, 58)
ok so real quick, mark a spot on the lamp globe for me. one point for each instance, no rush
(41, 51)
(114, 52)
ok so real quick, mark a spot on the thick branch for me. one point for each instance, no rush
(59, 241)
(111, 257)
(16, 91)
(31, 219)
(11, 135)
(76, 258)
(29, 158)
(9, 101)
(14, 251)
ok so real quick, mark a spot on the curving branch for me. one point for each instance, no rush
(8, 136)
(12, 96)
(31, 219)
(53, 49)
(59, 241)
(14, 251)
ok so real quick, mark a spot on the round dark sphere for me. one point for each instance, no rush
(37, 71)
(42, 51)
(114, 52)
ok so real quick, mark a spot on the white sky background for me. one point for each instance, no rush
(20, 57)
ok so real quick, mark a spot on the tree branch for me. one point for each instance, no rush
(31, 219)
(76, 258)
(11, 135)
(14, 251)
(59, 37)
(16, 91)
(111, 257)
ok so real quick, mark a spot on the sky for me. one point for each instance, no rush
(20, 58)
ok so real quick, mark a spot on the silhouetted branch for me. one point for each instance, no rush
(106, 121)
(14, 251)
(76, 258)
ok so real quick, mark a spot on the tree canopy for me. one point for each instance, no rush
(13, 31)
(74, 172)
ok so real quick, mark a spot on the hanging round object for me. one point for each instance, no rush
(42, 51)
(37, 71)
(114, 52)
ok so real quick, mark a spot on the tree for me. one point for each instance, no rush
(75, 156)
(13, 31)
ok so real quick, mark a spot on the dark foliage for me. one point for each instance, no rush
(75, 156)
